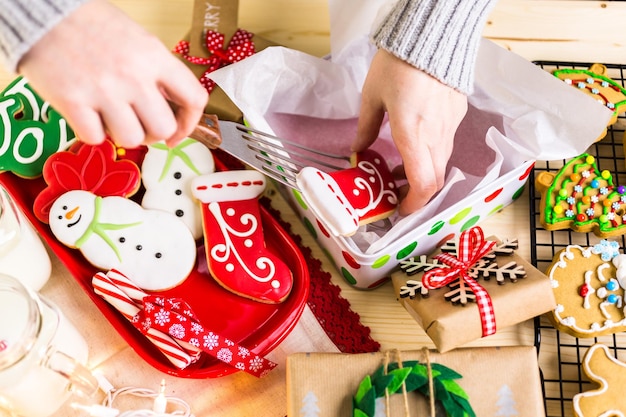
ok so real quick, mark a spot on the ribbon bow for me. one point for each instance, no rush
(239, 47)
(472, 247)
(175, 317)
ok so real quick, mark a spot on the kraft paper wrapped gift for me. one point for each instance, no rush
(517, 291)
(220, 16)
(499, 381)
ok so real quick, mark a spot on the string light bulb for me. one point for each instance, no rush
(160, 402)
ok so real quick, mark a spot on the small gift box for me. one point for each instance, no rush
(489, 381)
(213, 42)
(468, 290)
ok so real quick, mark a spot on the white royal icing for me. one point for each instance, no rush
(166, 174)
(603, 383)
(155, 249)
(568, 255)
(327, 200)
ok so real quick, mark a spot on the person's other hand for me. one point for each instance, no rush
(424, 115)
(108, 76)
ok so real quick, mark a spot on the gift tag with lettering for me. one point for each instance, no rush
(216, 15)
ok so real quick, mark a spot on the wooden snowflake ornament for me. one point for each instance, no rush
(487, 267)
(459, 267)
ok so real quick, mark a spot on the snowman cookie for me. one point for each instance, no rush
(346, 199)
(152, 247)
(235, 245)
(166, 174)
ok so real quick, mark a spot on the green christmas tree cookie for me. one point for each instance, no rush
(582, 197)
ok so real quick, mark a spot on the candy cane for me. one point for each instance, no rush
(136, 294)
(121, 302)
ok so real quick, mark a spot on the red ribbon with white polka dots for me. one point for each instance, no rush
(472, 247)
(175, 317)
(239, 47)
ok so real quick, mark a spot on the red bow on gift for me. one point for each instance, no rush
(239, 47)
(472, 247)
(175, 317)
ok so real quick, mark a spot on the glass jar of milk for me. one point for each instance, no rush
(22, 254)
(42, 355)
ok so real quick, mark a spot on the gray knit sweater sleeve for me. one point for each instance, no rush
(24, 22)
(440, 37)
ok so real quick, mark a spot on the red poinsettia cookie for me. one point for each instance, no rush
(93, 168)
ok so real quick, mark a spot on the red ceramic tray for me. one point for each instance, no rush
(257, 326)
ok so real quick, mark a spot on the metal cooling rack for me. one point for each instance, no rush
(560, 355)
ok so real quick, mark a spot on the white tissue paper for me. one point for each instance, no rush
(517, 114)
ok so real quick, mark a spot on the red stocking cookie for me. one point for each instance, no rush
(343, 200)
(233, 234)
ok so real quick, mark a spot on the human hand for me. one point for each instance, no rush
(108, 76)
(424, 115)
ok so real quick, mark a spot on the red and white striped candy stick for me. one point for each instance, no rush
(136, 294)
(103, 286)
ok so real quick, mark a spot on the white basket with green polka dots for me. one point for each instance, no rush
(370, 270)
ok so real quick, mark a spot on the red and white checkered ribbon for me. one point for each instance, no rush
(176, 318)
(472, 246)
(239, 47)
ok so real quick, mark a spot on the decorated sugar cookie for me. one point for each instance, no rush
(346, 199)
(588, 285)
(153, 247)
(235, 244)
(31, 130)
(91, 168)
(609, 375)
(595, 83)
(166, 174)
(582, 197)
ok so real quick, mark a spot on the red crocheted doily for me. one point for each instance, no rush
(342, 325)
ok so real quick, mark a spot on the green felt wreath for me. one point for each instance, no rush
(414, 376)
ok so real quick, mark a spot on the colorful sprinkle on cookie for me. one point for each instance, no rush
(582, 197)
(588, 285)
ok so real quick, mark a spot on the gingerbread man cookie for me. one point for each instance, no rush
(152, 247)
(588, 285)
(582, 197)
(346, 199)
(235, 245)
(609, 373)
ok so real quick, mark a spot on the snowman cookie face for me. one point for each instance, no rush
(152, 247)
(167, 173)
(70, 216)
